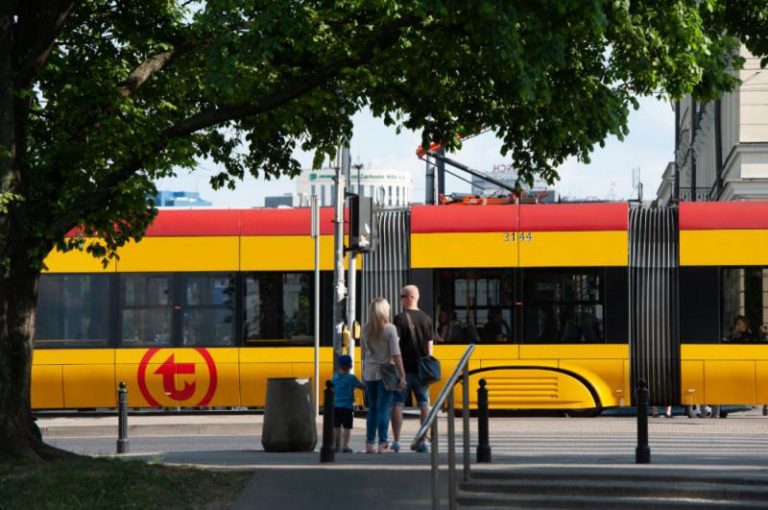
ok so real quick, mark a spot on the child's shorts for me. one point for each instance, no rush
(342, 416)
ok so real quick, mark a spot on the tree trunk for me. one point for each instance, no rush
(18, 432)
(21, 255)
(17, 298)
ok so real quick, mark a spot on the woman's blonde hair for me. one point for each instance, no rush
(378, 317)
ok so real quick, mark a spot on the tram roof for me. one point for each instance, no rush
(609, 216)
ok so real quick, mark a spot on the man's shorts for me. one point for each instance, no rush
(412, 384)
(342, 416)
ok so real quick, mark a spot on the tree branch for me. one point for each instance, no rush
(286, 93)
(42, 42)
(145, 71)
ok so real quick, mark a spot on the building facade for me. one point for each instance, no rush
(387, 187)
(506, 174)
(721, 154)
(721, 147)
(285, 200)
(180, 199)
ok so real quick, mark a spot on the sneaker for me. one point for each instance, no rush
(395, 446)
(384, 448)
(423, 448)
(368, 447)
(347, 449)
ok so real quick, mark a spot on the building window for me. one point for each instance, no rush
(72, 311)
(279, 308)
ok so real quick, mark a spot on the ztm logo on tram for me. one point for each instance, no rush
(163, 378)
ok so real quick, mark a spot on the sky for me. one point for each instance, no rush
(648, 147)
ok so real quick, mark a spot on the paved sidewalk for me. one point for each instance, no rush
(710, 447)
(251, 423)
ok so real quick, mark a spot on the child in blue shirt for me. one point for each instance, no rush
(345, 385)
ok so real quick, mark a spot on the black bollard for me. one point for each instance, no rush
(643, 451)
(122, 418)
(327, 450)
(483, 445)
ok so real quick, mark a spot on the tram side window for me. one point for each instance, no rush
(72, 311)
(146, 309)
(563, 306)
(744, 304)
(208, 313)
(279, 308)
(474, 305)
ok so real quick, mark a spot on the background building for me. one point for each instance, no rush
(721, 154)
(506, 174)
(721, 147)
(388, 187)
(180, 199)
(285, 200)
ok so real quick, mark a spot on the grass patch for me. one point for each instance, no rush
(116, 483)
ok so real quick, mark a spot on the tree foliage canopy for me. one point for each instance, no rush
(110, 95)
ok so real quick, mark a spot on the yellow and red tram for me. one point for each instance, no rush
(212, 303)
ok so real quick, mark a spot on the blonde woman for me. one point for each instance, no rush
(379, 346)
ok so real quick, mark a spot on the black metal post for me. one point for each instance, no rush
(643, 451)
(483, 445)
(327, 450)
(122, 419)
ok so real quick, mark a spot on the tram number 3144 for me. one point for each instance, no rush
(511, 237)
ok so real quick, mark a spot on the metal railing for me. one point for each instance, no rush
(430, 424)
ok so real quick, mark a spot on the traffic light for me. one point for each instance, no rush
(361, 226)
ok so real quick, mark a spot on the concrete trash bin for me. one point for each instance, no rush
(289, 417)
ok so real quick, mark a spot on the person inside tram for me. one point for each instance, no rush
(763, 335)
(547, 325)
(571, 331)
(740, 331)
(496, 329)
(448, 327)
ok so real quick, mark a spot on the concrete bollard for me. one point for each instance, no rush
(289, 416)
(327, 450)
(122, 418)
(643, 451)
(483, 443)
